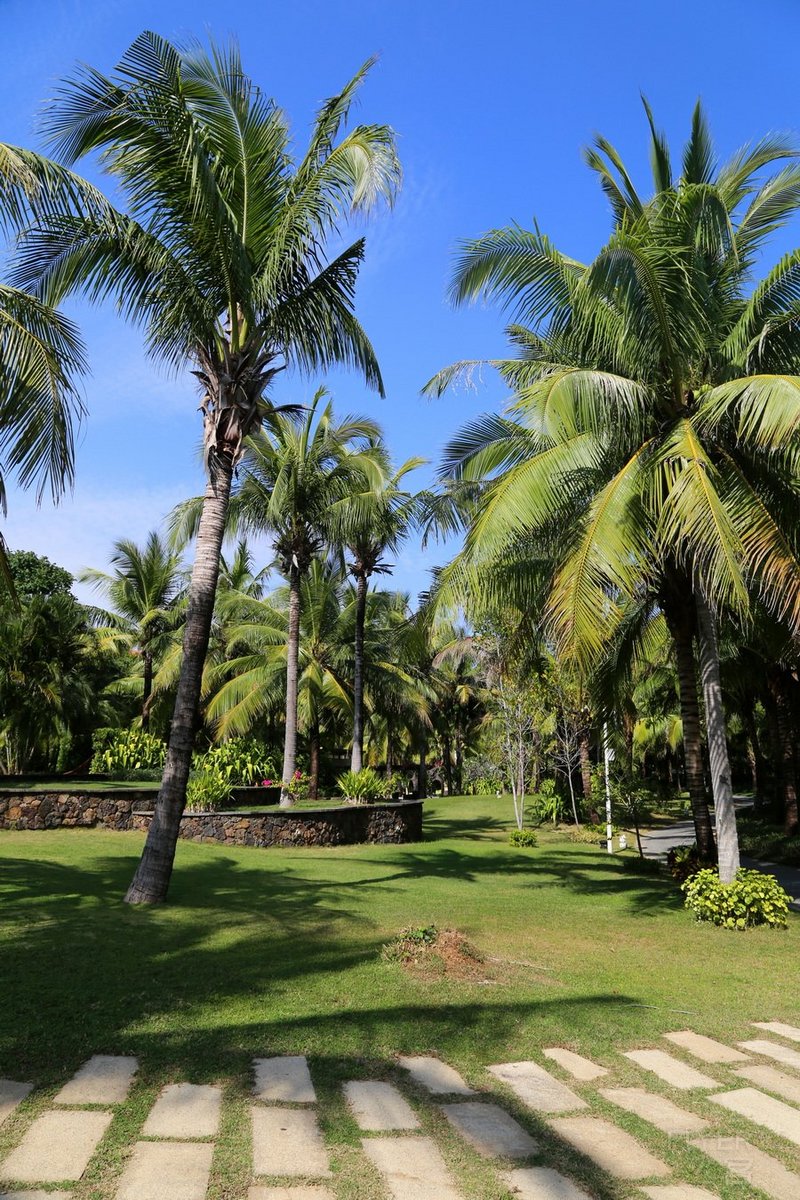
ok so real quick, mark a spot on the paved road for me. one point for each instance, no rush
(658, 843)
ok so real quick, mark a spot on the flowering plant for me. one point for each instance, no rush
(266, 783)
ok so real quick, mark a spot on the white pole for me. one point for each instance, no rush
(608, 755)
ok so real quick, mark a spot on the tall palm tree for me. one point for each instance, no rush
(642, 431)
(301, 471)
(219, 256)
(143, 593)
(375, 524)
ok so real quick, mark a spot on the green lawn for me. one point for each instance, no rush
(262, 952)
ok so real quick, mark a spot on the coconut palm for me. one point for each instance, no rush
(220, 259)
(301, 471)
(143, 592)
(374, 524)
(642, 435)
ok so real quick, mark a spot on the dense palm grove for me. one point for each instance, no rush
(629, 577)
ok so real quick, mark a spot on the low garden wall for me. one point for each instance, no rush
(391, 822)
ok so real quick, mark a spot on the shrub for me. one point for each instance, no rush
(299, 785)
(127, 753)
(241, 761)
(685, 861)
(360, 787)
(207, 791)
(546, 804)
(392, 785)
(523, 837)
(590, 834)
(752, 898)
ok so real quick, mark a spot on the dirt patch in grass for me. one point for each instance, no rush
(430, 953)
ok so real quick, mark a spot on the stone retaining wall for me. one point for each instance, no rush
(393, 822)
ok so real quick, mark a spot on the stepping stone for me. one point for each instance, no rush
(543, 1183)
(286, 1080)
(763, 1110)
(166, 1171)
(412, 1168)
(790, 1032)
(537, 1088)
(39, 1195)
(57, 1146)
(104, 1079)
(773, 1080)
(578, 1066)
(781, 1054)
(12, 1094)
(659, 1111)
(290, 1193)
(490, 1130)
(612, 1149)
(705, 1048)
(185, 1110)
(378, 1107)
(287, 1141)
(670, 1069)
(435, 1075)
(678, 1191)
(759, 1169)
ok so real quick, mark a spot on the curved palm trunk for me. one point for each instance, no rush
(313, 759)
(679, 617)
(586, 765)
(292, 659)
(357, 754)
(727, 837)
(151, 880)
(147, 657)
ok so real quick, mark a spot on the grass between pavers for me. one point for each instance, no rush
(265, 952)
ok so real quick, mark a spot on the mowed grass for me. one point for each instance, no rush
(264, 952)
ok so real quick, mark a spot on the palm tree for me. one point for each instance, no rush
(300, 473)
(375, 524)
(143, 592)
(644, 448)
(220, 258)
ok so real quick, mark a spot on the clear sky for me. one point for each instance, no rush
(492, 103)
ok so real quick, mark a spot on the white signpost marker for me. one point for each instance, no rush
(608, 757)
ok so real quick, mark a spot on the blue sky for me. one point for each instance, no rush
(492, 104)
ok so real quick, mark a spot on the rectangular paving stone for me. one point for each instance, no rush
(167, 1171)
(12, 1094)
(612, 1149)
(782, 1054)
(790, 1032)
(290, 1193)
(435, 1075)
(104, 1079)
(543, 1183)
(185, 1110)
(378, 1107)
(671, 1070)
(36, 1195)
(57, 1147)
(288, 1141)
(412, 1168)
(678, 1191)
(763, 1110)
(772, 1080)
(759, 1169)
(490, 1130)
(537, 1088)
(578, 1066)
(286, 1080)
(705, 1048)
(658, 1110)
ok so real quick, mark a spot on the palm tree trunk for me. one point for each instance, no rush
(447, 763)
(356, 756)
(150, 883)
(586, 765)
(422, 777)
(292, 660)
(786, 762)
(680, 621)
(727, 837)
(147, 658)
(313, 760)
(389, 747)
(757, 764)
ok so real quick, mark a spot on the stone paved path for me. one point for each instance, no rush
(172, 1152)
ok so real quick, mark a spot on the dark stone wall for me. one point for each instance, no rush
(391, 822)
